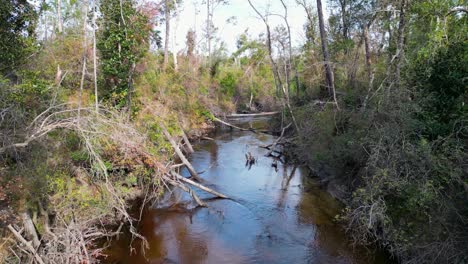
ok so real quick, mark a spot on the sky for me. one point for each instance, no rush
(193, 15)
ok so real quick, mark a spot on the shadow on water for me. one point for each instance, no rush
(277, 215)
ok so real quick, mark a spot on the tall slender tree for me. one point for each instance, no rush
(326, 56)
(167, 15)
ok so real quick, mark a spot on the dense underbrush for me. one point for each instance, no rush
(400, 163)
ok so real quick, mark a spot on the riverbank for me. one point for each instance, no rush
(400, 190)
(92, 180)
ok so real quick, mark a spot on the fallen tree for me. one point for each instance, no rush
(107, 138)
(233, 126)
(252, 115)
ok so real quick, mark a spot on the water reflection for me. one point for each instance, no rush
(277, 215)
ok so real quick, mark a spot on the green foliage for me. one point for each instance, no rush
(228, 84)
(407, 189)
(17, 25)
(31, 92)
(22, 101)
(402, 158)
(79, 156)
(442, 83)
(123, 41)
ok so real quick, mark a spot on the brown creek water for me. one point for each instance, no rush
(275, 215)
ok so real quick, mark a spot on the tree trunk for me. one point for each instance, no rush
(289, 63)
(400, 43)
(208, 30)
(187, 142)
(95, 59)
(344, 21)
(59, 17)
(204, 188)
(30, 229)
(174, 40)
(367, 49)
(179, 153)
(167, 11)
(276, 75)
(85, 44)
(292, 64)
(278, 81)
(326, 56)
(370, 74)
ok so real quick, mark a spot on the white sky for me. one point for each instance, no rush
(193, 15)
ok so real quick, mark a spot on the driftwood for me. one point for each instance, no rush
(249, 160)
(175, 166)
(30, 229)
(186, 189)
(28, 245)
(187, 142)
(275, 164)
(272, 147)
(252, 115)
(181, 155)
(233, 126)
(202, 187)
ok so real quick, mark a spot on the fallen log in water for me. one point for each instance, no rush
(202, 187)
(187, 142)
(178, 180)
(272, 146)
(233, 126)
(181, 155)
(186, 189)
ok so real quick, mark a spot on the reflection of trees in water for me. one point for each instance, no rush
(213, 149)
(189, 248)
(131, 250)
(286, 179)
(318, 208)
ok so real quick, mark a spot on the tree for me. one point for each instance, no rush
(123, 40)
(85, 47)
(167, 14)
(210, 29)
(190, 42)
(59, 16)
(292, 65)
(311, 21)
(276, 72)
(326, 57)
(399, 55)
(17, 25)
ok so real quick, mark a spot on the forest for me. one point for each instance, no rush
(100, 99)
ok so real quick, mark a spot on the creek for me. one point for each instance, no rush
(276, 215)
